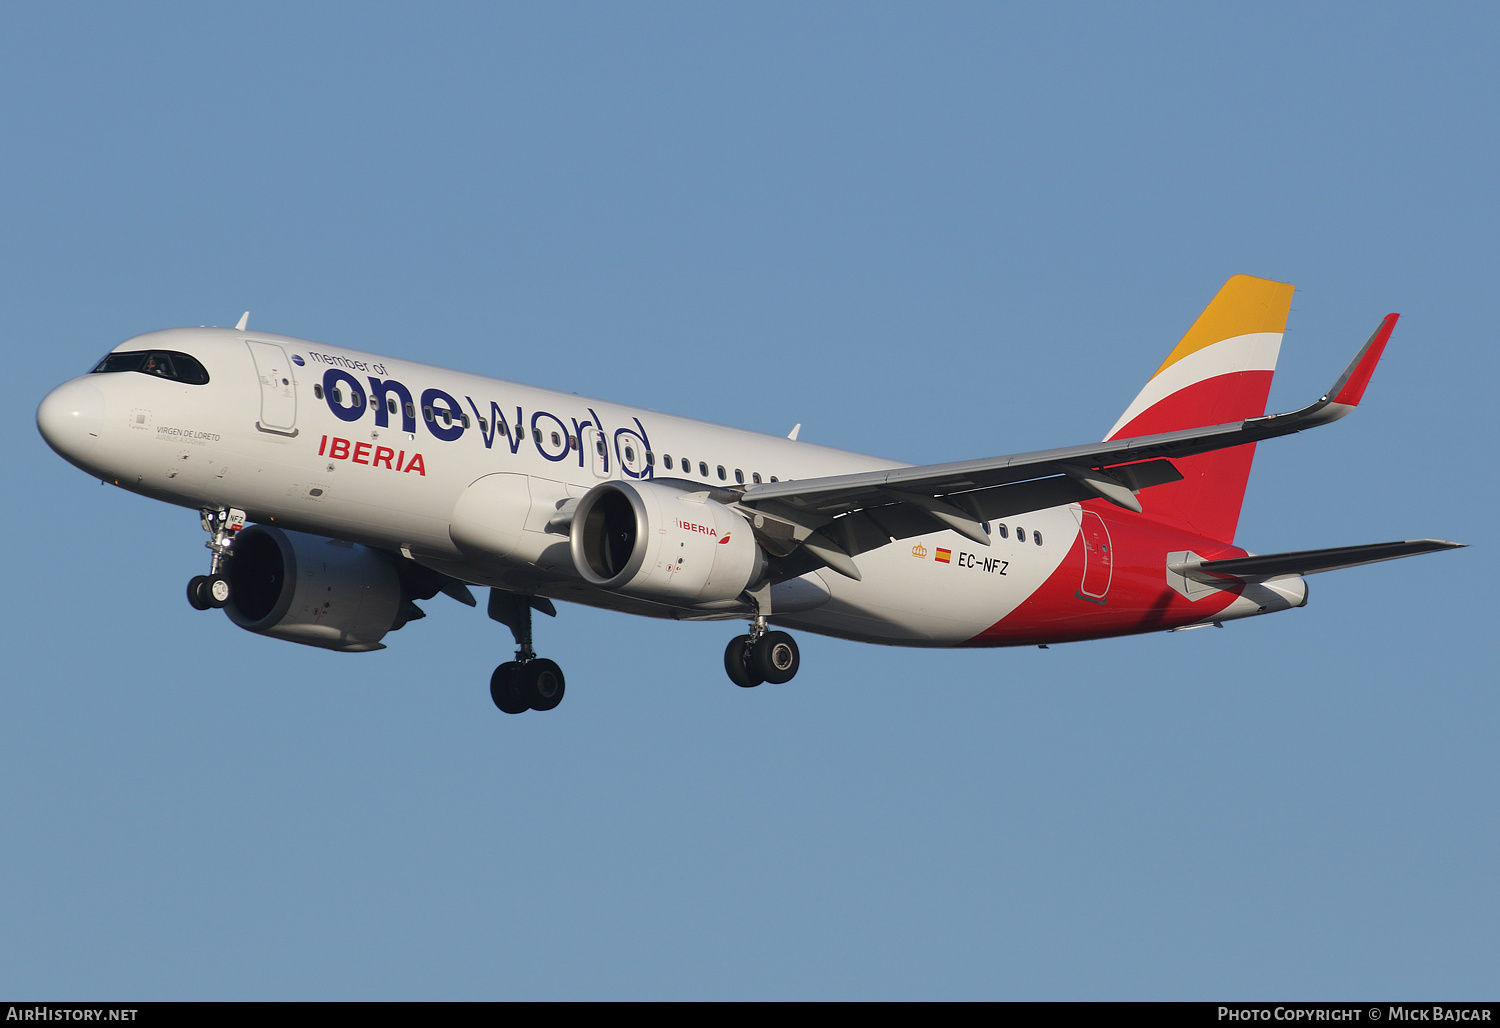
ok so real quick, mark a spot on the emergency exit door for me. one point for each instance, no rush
(597, 447)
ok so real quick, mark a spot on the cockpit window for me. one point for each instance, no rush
(179, 367)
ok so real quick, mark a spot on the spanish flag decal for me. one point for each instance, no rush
(943, 555)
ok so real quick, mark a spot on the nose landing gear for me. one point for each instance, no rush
(222, 525)
(529, 682)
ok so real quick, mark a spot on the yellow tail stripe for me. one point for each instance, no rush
(1243, 306)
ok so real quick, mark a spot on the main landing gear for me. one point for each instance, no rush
(761, 656)
(529, 682)
(222, 524)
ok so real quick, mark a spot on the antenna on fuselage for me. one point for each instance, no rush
(792, 435)
(244, 319)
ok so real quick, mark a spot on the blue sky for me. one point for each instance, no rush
(931, 232)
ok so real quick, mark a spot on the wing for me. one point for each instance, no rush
(827, 521)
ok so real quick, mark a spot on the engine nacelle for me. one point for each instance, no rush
(655, 542)
(308, 589)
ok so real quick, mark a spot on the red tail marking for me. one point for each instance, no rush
(1139, 599)
(1208, 498)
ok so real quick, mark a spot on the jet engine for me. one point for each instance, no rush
(320, 592)
(654, 542)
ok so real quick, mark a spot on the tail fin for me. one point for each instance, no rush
(1219, 373)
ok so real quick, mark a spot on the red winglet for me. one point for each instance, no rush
(1352, 388)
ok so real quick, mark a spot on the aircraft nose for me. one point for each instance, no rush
(71, 417)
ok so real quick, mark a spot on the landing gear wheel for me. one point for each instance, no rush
(223, 525)
(216, 591)
(197, 592)
(737, 663)
(542, 683)
(775, 658)
(505, 688)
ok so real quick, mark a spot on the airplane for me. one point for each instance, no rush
(340, 487)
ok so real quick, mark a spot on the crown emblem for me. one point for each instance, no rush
(919, 550)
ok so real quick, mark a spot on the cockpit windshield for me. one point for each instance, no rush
(179, 367)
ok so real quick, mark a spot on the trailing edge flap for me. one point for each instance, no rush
(1308, 562)
(800, 540)
(452, 587)
(874, 526)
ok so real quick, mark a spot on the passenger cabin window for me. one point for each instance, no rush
(169, 364)
(703, 468)
(1004, 532)
(1036, 537)
(739, 476)
(722, 475)
(755, 477)
(666, 460)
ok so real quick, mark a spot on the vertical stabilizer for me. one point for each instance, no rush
(1219, 373)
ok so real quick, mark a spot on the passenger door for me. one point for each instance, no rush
(278, 388)
(1098, 558)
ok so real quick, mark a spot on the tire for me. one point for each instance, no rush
(505, 689)
(543, 684)
(216, 590)
(775, 658)
(737, 663)
(197, 592)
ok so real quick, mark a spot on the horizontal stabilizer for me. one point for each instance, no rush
(1308, 562)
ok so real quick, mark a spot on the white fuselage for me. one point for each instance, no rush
(321, 439)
